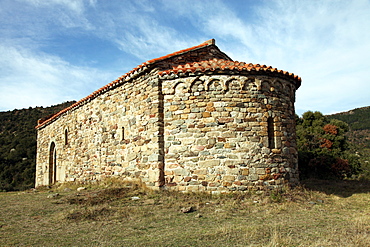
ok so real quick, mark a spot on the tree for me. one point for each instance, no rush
(18, 146)
(323, 148)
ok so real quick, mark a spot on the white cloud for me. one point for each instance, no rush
(43, 79)
(136, 29)
(150, 39)
(329, 49)
(62, 13)
(76, 6)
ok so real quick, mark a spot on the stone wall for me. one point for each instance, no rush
(114, 134)
(217, 136)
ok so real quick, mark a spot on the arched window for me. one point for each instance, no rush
(271, 132)
(52, 163)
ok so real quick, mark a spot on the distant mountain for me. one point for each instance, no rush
(357, 119)
(359, 124)
(18, 145)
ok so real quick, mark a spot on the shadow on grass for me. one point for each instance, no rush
(342, 188)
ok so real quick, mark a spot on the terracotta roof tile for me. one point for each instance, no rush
(222, 64)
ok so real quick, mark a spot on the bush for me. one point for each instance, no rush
(323, 148)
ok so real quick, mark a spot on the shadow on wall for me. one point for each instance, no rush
(342, 188)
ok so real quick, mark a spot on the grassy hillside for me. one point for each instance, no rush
(18, 145)
(322, 214)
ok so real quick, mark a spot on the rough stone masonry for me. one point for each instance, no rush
(193, 120)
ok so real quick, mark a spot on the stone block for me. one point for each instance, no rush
(154, 157)
(252, 177)
(232, 156)
(219, 145)
(131, 156)
(173, 108)
(221, 139)
(178, 122)
(238, 183)
(201, 172)
(180, 172)
(199, 147)
(209, 119)
(204, 153)
(194, 182)
(206, 114)
(153, 175)
(201, 141)
(233, 162)
(230, 145)
(178, 179)
(209, 163)
(226, 184)
(167, 172)
(193, 187)
(266, 177)
(223, 120)
(229, 178)
(228, 134)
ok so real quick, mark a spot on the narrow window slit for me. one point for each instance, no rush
(271, 132)
(66, 137)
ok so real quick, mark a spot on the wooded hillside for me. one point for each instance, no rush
(18, 145)
(357, 119)
(358, 135)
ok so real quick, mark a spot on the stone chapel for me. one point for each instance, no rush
(193, 120)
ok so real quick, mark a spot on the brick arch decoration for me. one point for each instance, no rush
(181, 88)
(197, 86)
(215, 85)
(233, 84)
(249, 85)
(266, 86)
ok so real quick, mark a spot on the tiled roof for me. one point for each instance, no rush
(221, 64)
(124, 78)
(214, 64)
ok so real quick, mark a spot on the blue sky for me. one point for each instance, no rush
(53, 51)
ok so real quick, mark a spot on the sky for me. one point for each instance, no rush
(52, 51)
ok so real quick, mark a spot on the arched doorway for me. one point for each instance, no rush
(52, 164)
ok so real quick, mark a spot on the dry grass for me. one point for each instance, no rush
(114, 213)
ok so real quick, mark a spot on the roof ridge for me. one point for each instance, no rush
(204, 44)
